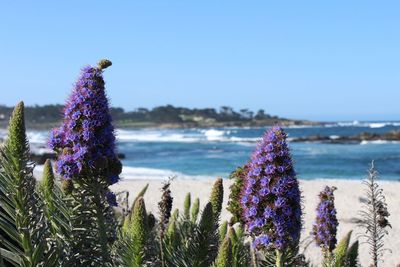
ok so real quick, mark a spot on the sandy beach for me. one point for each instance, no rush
(347, 204)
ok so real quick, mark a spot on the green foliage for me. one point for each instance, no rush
(23, 228)
(280, 258)
(47, 186)
(195, 209)
(17, 142)
(172, 239)
(139, 231)
(136, 244)
(186, 206)
(140, 194)
(207, 218)
(224, 258)
(223, 229)
(94, 225)
(352, 255)
(128, 219)
(192, 243)
(57, 213)
(344, 254)
(175, 215)
(217, 197)
(240, 250)
(341, 250)
(234, 206)
(206, 237)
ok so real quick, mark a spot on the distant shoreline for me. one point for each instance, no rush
(163, 117)
(150, 125)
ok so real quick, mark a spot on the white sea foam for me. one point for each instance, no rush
(214, 135)
(140, 173)
(372, 125)
(38, 137)
(38, 171)
(378, 142)
(300, 126)
(377, 125)
(152, 136)
(244, 139)
(348, 123)
(210, 135)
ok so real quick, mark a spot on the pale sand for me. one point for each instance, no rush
(347, 204)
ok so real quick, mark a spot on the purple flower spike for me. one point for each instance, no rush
(85, 142)
(326, 223)
(272, 193)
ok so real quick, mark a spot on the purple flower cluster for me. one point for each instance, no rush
(326, 223)
(85, 141)
(270, 197)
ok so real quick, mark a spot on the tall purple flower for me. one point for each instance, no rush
(85, 141)
(326, 223)
(271, 197)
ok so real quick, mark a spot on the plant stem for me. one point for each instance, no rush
(102, 226)
(279, 255)
(374, 230)
(253, 257)
(162, 250)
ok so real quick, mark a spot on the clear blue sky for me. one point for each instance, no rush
(321, 60)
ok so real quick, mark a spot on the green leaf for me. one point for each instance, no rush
(217, 197)
(139, 231)
(223, 229)
(224, 258)
(195, 210)
(186, 206)
(11, 257)
(341, 250)
(140, 194)
(128, 219)
(352, 255)
(22, 224)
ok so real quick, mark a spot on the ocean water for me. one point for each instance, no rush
(200, 153)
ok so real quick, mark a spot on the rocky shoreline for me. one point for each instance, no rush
(389, 136)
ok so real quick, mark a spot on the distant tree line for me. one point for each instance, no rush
(49, 114)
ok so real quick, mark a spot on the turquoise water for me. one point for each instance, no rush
(200, 153)
(216, 152)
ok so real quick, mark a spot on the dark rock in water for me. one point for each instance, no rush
(389, 136)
